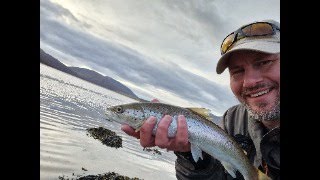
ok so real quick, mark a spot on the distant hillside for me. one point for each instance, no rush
(53, 62)
(88, 75)
(103, 81)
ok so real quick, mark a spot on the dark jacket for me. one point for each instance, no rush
(262, 147)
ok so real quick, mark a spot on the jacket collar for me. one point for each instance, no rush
(259, 134)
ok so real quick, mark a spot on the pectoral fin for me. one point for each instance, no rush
(229, 169)
(196, 152)
(137, 129)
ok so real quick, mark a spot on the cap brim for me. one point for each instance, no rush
(258, 46)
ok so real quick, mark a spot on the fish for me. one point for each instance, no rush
(203, 133)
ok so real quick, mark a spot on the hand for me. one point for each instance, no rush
(178, 143)
(130, 131)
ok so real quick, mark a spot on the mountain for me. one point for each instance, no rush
(103, 81)
(53, 62)
(87, 75)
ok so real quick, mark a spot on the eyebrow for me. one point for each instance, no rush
(260, 57)
(257, 59)
(265, 56)
(234, 67)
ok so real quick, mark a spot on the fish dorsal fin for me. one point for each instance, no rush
(206, 113)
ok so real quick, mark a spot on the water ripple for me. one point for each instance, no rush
(68, 106)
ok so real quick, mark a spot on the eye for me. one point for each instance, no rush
(236, 71)
(119, 109)
(262, 63)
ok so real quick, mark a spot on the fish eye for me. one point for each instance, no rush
(119, 109)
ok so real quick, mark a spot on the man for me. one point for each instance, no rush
(252, 56)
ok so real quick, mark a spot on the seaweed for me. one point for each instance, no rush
(105, 176)
(106, 136)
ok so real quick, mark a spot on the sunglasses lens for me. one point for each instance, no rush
(255, 29)
(227, 43)
(258, 29)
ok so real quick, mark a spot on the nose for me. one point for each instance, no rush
(251, 78)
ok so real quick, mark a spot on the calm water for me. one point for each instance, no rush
(68, 106)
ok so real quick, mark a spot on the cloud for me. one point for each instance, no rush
(159, 47)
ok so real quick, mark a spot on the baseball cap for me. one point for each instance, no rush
(269, 43)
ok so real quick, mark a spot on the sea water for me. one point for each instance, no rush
(68, 106)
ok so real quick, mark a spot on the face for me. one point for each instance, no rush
(255, 81)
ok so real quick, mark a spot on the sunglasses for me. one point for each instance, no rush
(254, 29)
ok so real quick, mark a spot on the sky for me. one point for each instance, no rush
(164, 49)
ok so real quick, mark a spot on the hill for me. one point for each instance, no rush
(103, 81)
(87, 75)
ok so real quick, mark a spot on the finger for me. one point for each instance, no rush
(146, 138)
(172, 146)
(162, 139)
(130, 131)
(181, 139)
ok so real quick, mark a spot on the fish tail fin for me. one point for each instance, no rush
(262, 176)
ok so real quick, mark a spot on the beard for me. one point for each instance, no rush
(267, 115)
(264, 113)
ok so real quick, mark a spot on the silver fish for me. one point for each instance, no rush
(203, 134)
